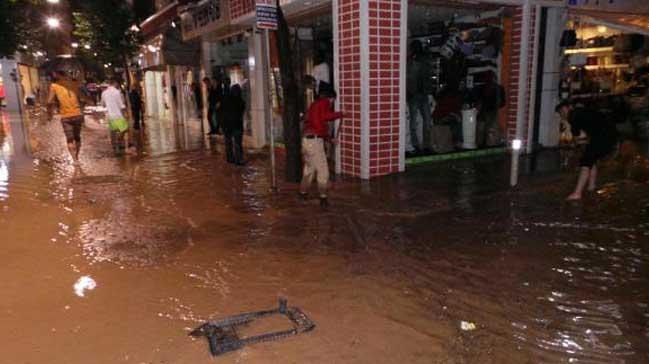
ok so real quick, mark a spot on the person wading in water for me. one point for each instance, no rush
(67, 92)
(316, 131)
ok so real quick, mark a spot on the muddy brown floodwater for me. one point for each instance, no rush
(117, 260)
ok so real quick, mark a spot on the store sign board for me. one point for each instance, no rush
(201, 19)
(266, 14)
(620, 6)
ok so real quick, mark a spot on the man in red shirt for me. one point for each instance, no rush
(316, 131)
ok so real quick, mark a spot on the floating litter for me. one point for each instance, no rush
(467, 326)
(222, 334)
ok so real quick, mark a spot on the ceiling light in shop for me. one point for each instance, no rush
(86, 46)
(173, 24)
(74, 45)
(602, 29)
(151, 48)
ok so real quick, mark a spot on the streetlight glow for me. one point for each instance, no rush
(53, 1)
(86, 46)
(53, 22)
(75, 45)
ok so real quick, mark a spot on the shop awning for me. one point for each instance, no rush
(175, 51)
(157, 22)
(169, 49)
(626, 22)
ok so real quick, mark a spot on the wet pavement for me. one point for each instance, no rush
(117, 260)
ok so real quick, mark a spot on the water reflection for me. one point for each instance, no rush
(409, 256)
(4, 180)
(83, 284)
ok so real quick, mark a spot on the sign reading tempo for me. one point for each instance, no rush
(200, 19)
(266, 14)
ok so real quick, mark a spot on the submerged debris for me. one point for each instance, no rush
(222, 334)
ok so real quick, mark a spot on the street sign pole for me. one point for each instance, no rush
(268, 111)
(266, 13)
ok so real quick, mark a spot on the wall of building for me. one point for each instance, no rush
(369, 68)
(385, 72)
(348, 73)
(11, 90)
(548, 119)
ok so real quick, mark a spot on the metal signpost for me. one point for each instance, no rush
(267, 20)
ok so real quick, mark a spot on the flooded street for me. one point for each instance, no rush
(117, 260)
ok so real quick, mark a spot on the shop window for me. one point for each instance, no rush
(313, 52)
(608, 70)
(452, 79)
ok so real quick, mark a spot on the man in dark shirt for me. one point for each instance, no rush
(214, 98)
(316, 131)
(602, 140)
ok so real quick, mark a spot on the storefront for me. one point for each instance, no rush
(19, 81)
(312, 38)
(482, 56)
(231, 64)
(170, 68)
(605, 66)
(454, 78)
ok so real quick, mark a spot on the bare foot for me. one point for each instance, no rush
(573, 197)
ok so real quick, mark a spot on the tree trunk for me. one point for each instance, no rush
(292, 101)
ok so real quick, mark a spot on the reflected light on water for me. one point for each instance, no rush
(83, 284)
(4, 180)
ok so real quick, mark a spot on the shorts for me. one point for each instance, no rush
(119, 125)
(593, 153)
(72, 128)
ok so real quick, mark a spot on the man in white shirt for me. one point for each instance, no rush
(112, 99)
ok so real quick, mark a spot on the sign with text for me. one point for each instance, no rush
(201, 19)
(266, 14)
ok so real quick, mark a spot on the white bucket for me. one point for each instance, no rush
(469, 118)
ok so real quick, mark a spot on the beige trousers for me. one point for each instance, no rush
(315, 165)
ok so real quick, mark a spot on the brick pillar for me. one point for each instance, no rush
(370, 73)
(512, 86)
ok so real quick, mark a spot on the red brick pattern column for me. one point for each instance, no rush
(369, 71)
(349, 84)
(512, 87)
(239, 8)
(384, 82)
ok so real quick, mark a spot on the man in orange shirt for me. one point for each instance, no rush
(67, 92)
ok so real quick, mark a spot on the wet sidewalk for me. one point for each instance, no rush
(117, 260)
